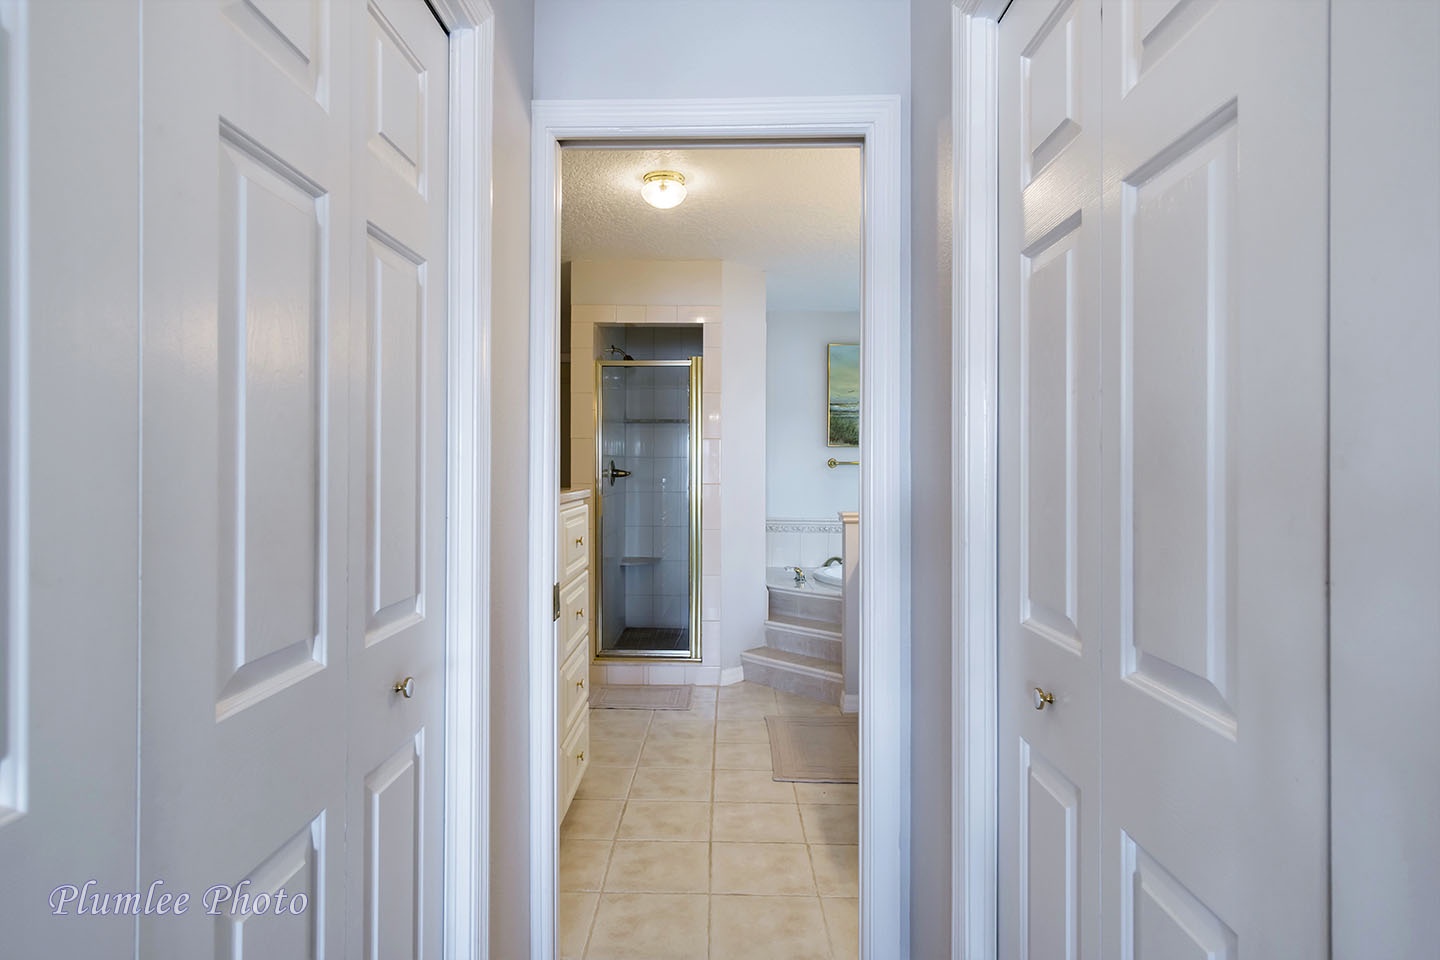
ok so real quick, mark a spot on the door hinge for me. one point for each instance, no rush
(555, 604)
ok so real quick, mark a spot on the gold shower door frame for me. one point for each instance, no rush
(694, 653)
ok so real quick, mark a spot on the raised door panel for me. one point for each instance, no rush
(1049, 861)
(273, 368)
(279, 909)
(1214, 493)
(396, 405)
(395, 855)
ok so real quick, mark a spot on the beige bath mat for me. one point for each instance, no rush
(815, 749)
(639, 697)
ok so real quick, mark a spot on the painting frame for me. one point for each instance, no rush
(842, 395)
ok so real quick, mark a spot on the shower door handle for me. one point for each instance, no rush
(614, 473)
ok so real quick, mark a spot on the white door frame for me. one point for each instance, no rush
(975, 400)
(466, 910)
(884, 469)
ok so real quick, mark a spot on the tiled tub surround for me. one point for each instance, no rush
(680, 845)
(802, 542)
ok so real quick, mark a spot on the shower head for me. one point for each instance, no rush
(614, 349)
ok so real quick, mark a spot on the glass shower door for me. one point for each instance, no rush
(647, 469)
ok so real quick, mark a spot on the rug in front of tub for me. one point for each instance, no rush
(815, 749)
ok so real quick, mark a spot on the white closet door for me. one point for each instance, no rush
(1213, 742)
(247, 346)
(69, 328)
(395, 783)
(1049, 615)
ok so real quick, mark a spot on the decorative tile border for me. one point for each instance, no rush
(790, 525)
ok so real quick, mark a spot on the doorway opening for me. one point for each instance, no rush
(872, 122)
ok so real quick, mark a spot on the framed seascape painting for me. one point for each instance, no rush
(843, 413)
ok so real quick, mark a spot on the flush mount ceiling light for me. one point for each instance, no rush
(663, 189)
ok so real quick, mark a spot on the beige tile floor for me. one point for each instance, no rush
(680, 846)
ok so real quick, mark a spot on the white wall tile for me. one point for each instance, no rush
(632, 313)
(710, 598)
(710, 415)
(710, 553)
(582, 462)
(665, 673)
(659, 314)
(625, 673)
(710, 461)
(703, 676)
(590, 313)
(582, 412)
(710, 506)
(700, 314)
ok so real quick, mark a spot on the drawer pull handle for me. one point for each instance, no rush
(579, 541)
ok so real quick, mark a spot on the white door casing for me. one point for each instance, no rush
(260, 724)
(1049, 558)
(398, 280)
(1209, 767)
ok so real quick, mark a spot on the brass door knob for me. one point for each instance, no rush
(1042, 698)
(580, 684)
(580, 614)
(580, 757)
(406, 687)
(579, 541)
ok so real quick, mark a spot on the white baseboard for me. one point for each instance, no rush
(850, 703)
(731, 675)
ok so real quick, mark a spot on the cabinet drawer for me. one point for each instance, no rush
(574, 614)
(574, 539)
(574, 687)
(574, 761)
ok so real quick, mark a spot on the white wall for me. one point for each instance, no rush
(742, 473)
(511, 809)
(1385, 461)
(931, 628)
(719, 48)
(797, 482)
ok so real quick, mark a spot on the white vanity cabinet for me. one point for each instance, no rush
(573, 638)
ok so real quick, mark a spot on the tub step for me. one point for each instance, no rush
(810, 638)
(803, 605)
(794, 673)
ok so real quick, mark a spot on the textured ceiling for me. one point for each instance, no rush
(792, 211)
